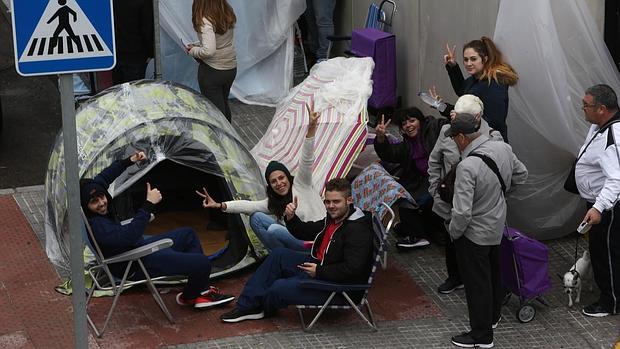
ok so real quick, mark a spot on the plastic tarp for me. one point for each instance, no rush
(558, 51)
(337, 88)
(169, 122)
(263, 42)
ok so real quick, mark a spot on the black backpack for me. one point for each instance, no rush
(446, 184)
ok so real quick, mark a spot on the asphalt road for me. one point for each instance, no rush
(31, 118)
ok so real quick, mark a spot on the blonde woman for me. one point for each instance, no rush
(213, 21)
(490, 77)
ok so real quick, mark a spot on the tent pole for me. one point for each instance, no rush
(156, 42)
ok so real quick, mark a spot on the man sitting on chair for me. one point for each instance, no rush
(342, 252)
(185, 257)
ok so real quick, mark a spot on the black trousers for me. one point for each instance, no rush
(215, 85)
(419, 222)
(605, 256)
(480, 273)
(452, 265)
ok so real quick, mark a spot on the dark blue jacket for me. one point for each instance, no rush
(112, 237)
(493, 95)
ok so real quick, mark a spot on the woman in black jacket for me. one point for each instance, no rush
(490, 77)
(419, 136)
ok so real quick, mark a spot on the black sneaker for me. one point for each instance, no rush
(496, 323)
(450, 286)
(411, 242)
(464, 340)
(238, 315)
(595, 310)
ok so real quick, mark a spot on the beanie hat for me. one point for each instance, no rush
(275, 166)
(88, 189)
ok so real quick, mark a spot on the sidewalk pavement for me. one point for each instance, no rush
(34, 316)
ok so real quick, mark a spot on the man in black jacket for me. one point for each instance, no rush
(342, 252)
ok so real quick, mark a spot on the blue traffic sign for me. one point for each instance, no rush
(62, 36)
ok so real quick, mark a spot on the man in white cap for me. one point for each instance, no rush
(444, 155)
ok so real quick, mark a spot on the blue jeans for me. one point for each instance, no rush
(320, 19)
(274, 235)
(275, 284)
(184, 257)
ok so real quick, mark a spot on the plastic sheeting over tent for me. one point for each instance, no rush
(263, 42)
(558, 51)
(186, 139)
(337, 88)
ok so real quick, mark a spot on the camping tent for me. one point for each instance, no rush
(189, 144)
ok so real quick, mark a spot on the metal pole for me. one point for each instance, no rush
(157, 49)
(73, 207)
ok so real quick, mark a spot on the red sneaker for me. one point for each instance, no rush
(209, 298)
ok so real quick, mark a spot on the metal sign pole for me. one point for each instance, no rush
(73, 206)
(156, 41)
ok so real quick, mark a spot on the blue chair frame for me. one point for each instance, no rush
(381, 234)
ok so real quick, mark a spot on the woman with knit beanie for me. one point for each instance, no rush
(282, 189)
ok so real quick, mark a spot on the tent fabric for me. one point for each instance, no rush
(263, 42)
(558, 52)
(337, 88)
(169, 122)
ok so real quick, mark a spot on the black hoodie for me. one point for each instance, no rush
(349, 255)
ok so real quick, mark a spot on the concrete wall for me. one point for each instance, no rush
(422, 29)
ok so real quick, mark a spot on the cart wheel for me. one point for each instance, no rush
(526, 313)
(506, 298)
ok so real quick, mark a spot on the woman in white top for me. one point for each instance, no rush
(213, 21)
(282, 189)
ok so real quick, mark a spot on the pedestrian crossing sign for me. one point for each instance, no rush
(62, 36)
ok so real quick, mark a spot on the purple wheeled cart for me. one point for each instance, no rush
(525, 271)
(381, 47)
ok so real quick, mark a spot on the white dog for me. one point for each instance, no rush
(573, 278)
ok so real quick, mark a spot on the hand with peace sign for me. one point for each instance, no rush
(433, 92)
(313, 121)
(290, 209)
(152, 194)
(381, 128)
(450, 57)
(207, 200)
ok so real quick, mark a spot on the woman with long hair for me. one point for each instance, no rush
(267, 216)
(214, 21)
(420, 134)
(490, 77)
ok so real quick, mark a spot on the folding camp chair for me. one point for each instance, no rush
(342, 290)
(376, 18)
(104, 280)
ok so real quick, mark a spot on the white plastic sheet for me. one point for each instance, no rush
(263, 42)
(558, 51)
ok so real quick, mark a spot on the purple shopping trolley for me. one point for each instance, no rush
(381, 47)
(524, 269)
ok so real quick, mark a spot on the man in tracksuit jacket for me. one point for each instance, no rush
(185, 257)
(597, 175)
(478, 218)
(342, 252)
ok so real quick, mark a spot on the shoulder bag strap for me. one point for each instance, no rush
(493, 166)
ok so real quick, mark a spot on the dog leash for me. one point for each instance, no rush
(576, 249)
